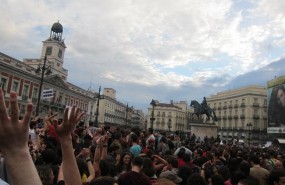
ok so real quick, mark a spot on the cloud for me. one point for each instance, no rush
(146, 49)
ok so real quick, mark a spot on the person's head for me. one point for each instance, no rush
(172, 162)
(148, 168)
(137, 162)
(114, 149)
(134, 138)
(216, 180)
(276, 177)
(244, 166)
(224, 172)
(183, 173)
(254, 159)
(196, 179)
(126, 158)
(104, 180)
(164, 181)
(278, 165)
(46, 174)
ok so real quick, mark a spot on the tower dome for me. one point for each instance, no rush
(56, 31)
(57, 28)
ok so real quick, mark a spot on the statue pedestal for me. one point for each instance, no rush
(202, 130)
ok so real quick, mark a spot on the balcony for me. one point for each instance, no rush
(219, 107)
(225, 117)
(230, 106)
(158, 115)
(230, 117)
(242, 104)
(225, 107)
(264, 116)
(25, 97)
(264, 106)
(255, 104)
(242, 116)
(235, 116)
(255, 116)
(236, 105)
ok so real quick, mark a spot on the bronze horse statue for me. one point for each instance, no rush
(199, 110)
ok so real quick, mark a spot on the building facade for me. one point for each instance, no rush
(168, 117)
(242, 114)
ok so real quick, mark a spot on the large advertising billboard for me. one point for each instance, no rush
(276, 105)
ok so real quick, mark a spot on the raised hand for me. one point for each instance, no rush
(68, 124)
(14, 133)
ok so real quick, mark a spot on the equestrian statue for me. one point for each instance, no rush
(203, 108)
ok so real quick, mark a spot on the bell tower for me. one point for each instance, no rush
(54, 48)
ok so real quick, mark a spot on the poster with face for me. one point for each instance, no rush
(276, 107)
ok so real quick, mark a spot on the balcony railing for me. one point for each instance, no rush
(255, 116)
(236, 105)
(230, 116)
(264, 116)
(242, 116)
(219, 107)
(230, 106)
(225, 107)
(256, 104)
(242, 104)
(235, 116)
(224, 117)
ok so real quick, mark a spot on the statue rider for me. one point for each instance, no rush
(204, 105)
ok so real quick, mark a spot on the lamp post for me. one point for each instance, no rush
(249, 125)
(42, 68)
(97, 109)
(127, 109)
(153, 104)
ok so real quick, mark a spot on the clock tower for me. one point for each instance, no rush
(54, 49)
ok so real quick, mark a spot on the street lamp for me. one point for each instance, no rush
(249, 125)
(43, 69)
(153, 104)
(97, 109)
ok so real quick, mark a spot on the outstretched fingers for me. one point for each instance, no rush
(28, 114)
(3, 110)
(14, 109)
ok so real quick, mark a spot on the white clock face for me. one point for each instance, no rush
(60, 53)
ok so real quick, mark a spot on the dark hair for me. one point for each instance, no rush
(275, 175)
(196, 179)
(121, 164)
(184, 172)
(244, 166)
(173, 161)
(148, 168)
(82, 166)
(224, 172)
(137, 161)
(217, 180)
(254, 159)
(44, 172)
(134, 138)
(104, 180)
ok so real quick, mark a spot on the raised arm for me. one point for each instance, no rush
(69, 166)
(14, 136)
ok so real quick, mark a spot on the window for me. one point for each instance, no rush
(25, 90)
(3, 83)
(15, 86)
(49, 51)
(35, 93)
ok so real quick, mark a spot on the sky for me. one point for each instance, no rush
(165, 50)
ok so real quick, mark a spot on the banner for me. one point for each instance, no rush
(48, 93)
(276, 105)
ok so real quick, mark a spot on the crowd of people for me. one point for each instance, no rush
(65, 151)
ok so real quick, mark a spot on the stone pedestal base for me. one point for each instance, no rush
(202, 130)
